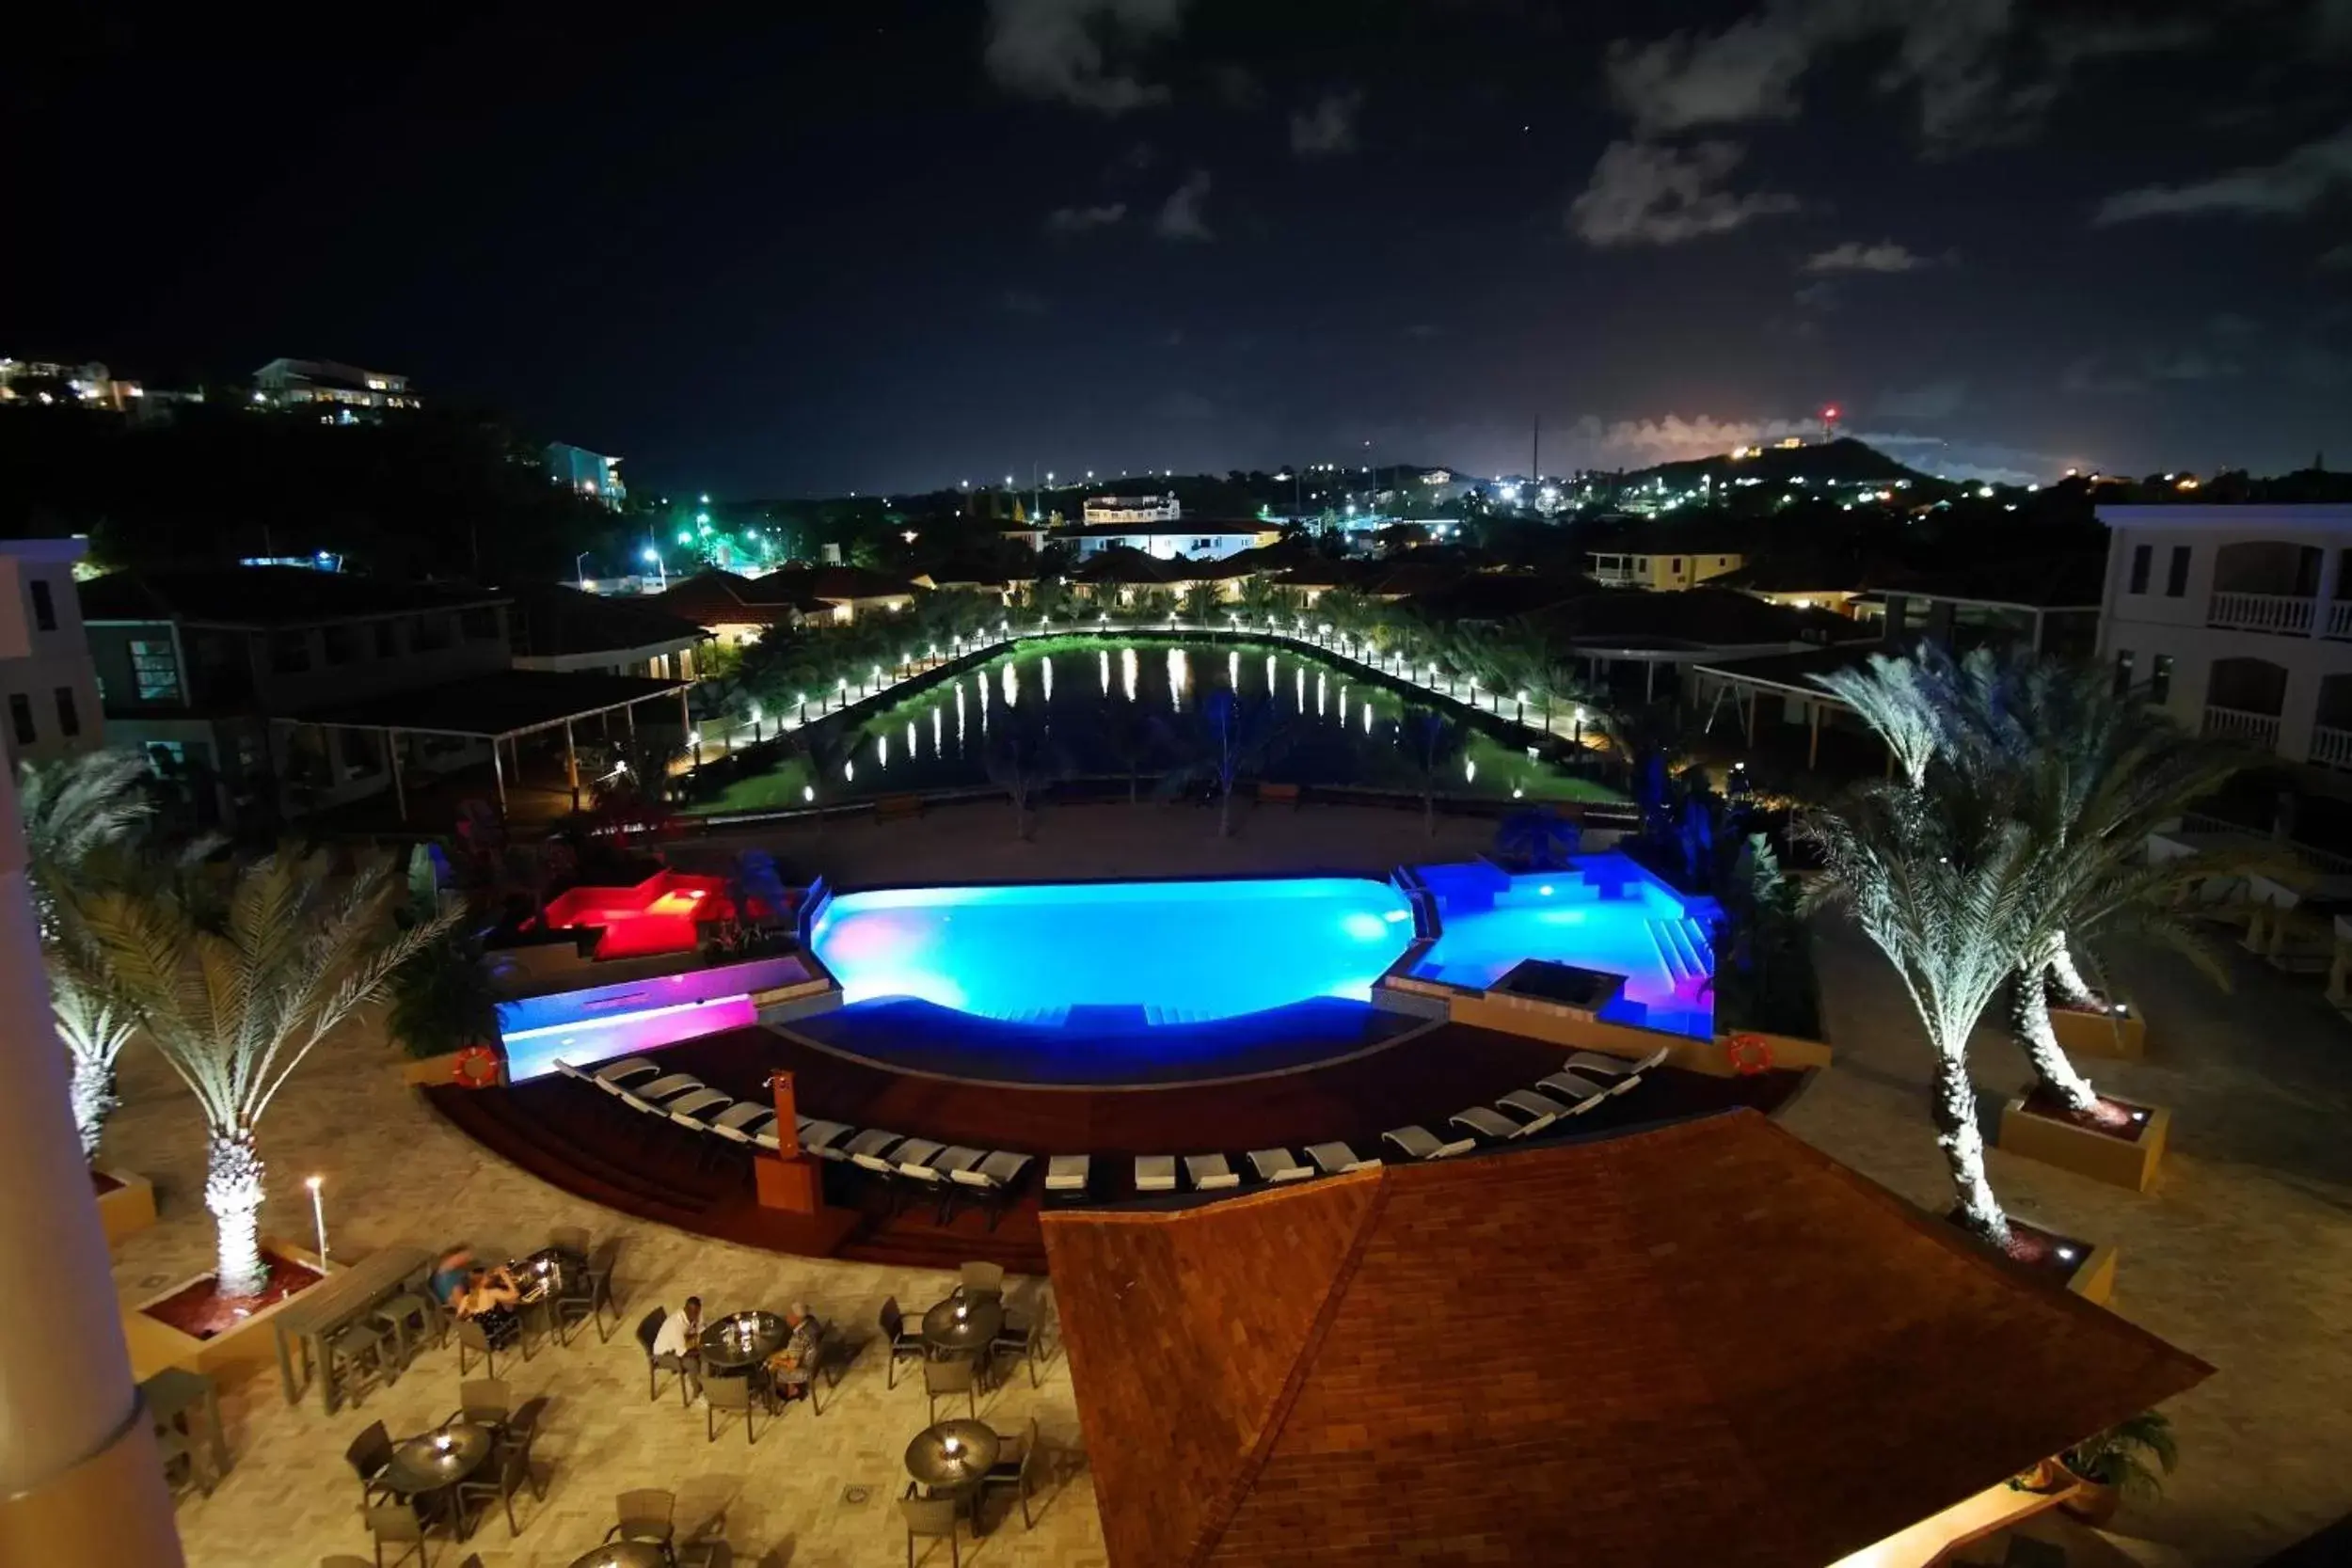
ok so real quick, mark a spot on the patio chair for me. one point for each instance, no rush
(484, 1400)
(691, 1109)
(1417, 1143)
(945, 1380)
(728, 1396)
(1210, 1172)
(649, 1516)
(1336, 1159)
(397, 1524)
(1155, 1173)
(507, 1472)
(522, 1429)
(650, 1329)
(473, 1341)
(1487, 1122)
(1016, 1467)
(367, 1454)
(903, 1345)
(1278, 1164)
(983, 1281)
(1605, 1065)
(586, 1297)
(569, 1239)
(1066, 1177)
(930, 1519)
(1016, 1338)
(1573, 1086)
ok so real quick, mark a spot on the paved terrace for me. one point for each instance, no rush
(2243, 1256)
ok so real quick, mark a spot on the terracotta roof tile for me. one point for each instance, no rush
(1706, 1343)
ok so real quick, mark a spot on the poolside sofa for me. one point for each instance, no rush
(1210, 1172)
(1278, 1164)
(1417, 1143)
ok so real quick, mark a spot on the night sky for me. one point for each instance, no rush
(877, 245)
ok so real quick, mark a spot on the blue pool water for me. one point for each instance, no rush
(1138, 952)
(1604, 913)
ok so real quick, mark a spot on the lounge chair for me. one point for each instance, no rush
(1336, 1159)
(1605, 1065)
(1210, 1172)
(1155, 1173)
(960, 1165)
(739, 1120)
(1540, 1109)
(614, 1076)
(1487, 1122)
(668, 1088)
(869, 1147)
(1278, 1164)
(1066, 1175)
(824, 1138)
(1004, 1167)
(913, 1158)
(1419, 1143)
(1573, 1086)
(692, 1109)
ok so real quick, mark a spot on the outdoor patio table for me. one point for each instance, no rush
(437, 1459)
(543, 1277)
(623, 1553)
(742, 1340)
(175, 1392)
(960, 1326)
(952, 1455)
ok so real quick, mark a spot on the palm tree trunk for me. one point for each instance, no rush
(1954, 1113)
(94, 1100)
(2072, 986)
(2030, 1017)
(232, 1191)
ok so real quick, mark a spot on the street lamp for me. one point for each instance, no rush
(653, 559)
(579, 570)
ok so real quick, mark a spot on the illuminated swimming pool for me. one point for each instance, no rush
(1157, 952)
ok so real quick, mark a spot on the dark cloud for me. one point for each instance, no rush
(1327, 128)
(1077, 49)
(1644, 193)
(2288, 187)
(1854, 256)
(1182, 217)
(1080, 220)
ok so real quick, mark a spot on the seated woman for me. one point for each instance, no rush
(790, 1368)
(489, 1297)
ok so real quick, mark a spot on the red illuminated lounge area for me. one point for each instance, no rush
(660, 914)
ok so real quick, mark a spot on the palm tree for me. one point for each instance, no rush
(77, 811)
(1948, 885)
(1201, 604)
(236, 991)
(1435, 743)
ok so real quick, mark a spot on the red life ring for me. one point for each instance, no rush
(1749, 1054)
(477, 1067)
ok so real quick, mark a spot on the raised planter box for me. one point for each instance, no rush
(155, 1344)
(2086, 1268)
(2104, 1031)
(2122, 1158)
(126, 1201)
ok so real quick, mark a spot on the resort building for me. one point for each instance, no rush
(49, 384)
(46, 676)
(1659, 568)
(1799, 583)
(1152, 511)
(2237, 620)
(587, 473)
(299, 382)
(1195, 541)
(737, 610)
(558, 627)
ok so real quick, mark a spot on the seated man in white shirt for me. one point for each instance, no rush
(676, 1339)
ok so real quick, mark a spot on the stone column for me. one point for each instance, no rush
(80, 1481)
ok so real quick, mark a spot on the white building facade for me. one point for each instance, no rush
(1151, 510)
(48, 685)
(2237, 620)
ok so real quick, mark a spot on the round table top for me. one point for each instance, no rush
(623, 1553)
(437, 1459)
(982, 1318)
(742, 1340)
(929, 1461)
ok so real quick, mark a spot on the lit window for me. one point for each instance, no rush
(155, 670)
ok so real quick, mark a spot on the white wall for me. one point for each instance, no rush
(37, 663)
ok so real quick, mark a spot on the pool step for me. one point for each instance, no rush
(1682, 949)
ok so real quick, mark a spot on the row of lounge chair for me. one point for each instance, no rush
(912, 1164)
(1589, 1079)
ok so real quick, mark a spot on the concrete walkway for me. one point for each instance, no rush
(2243, 1255)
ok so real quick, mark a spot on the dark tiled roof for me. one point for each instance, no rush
(1700, 617)
(551, 619)
(1800, 575)
(498, 703)
(1705, 1344)
(1796, 670)
(265, 596)
(1131, 568)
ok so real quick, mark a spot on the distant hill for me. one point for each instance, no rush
(1842, 461)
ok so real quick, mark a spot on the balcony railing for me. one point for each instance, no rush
(2289, 614)
(2332, 747)
(2258, 730)
(2340, 618)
